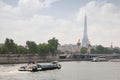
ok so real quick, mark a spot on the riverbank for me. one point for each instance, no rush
(24, 58)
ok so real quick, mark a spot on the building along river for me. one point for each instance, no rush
(74, 70)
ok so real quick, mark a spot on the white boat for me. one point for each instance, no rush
(98, 59)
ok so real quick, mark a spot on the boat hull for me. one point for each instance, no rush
(38, 67)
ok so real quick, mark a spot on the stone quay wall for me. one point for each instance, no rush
(24, 58)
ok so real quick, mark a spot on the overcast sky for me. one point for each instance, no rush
(40, 20)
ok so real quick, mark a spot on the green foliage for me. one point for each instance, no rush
(83, 50)
(43, 49)
(93, 51)
(2, 49)
(21, 49)
(99, 49)
(9, 46)
(48, 48)
(116, 50)
(32, 47)
(53, 42)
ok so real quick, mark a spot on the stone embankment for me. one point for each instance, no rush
(23, 58)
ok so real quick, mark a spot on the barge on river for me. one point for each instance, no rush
(40, 67)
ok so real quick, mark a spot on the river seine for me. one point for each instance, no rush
(75, 70)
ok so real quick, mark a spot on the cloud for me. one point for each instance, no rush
(30, 7)
(25, 8)
(33, 26)
(24, 22)
(103, 22)
(14, 23)
(39, 28)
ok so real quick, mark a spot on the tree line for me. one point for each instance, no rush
(99, 49)
(10, 47)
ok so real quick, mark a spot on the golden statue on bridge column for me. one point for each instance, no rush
(89, 47)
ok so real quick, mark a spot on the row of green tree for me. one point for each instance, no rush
(99, 49)
(10, 47)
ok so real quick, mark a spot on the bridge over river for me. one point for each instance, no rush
(79, 56)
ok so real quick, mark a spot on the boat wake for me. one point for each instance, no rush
(13, 72)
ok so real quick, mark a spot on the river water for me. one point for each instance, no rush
(75, 70)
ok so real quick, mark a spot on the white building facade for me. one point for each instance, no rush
(69, 48)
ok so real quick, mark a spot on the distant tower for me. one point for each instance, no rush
(85, 36)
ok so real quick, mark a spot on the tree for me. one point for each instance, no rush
(10, 46)
(93, 50)
(2, 49)
(51, 48)
(83, 50)
(116, 50)
(32, 46)
(53, 44)
(21, 49)
(99, 49)
(43, 48)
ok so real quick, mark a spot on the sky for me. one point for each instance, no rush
(41, 20)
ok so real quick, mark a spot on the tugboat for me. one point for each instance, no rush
(40, 67)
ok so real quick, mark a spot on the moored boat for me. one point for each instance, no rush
(99, 59)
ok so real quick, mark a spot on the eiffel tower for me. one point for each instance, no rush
(85, 36)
